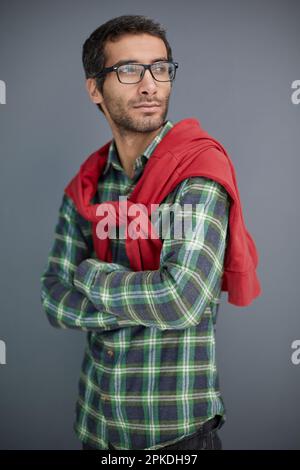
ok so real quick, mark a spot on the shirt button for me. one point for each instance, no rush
(110, 353)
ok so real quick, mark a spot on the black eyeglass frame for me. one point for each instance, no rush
(114, 68)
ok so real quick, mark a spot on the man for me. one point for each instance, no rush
(149, 378)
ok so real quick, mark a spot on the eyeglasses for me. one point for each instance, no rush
(163, 71)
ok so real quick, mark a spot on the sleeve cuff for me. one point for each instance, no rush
(87, 270)
(84, 275)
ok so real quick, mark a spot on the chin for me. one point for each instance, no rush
(149, 124)
(151, 119)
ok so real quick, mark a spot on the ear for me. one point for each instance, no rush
(94, 94)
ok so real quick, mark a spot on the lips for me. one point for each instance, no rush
(148, 107)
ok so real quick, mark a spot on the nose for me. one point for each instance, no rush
(148, 84)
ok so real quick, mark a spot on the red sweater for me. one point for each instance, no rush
(186, 150)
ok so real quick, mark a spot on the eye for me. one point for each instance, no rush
(129, 69)
(160, 67)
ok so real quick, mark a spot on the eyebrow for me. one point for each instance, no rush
(134, 61)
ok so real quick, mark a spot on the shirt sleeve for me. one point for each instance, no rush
(65, 306)
(190, 272)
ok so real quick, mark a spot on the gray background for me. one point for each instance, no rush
(237, 61)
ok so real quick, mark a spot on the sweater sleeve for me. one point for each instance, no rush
(191, 267)
(64, 305)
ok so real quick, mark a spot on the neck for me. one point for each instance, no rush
(131, 145)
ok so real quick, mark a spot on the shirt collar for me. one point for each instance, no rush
(113, 157)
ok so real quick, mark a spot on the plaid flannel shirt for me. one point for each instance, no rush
(149, 375)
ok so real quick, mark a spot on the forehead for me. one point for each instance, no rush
(140, 47)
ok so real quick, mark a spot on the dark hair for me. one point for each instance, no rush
(93, 56)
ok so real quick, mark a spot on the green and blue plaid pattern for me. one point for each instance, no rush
(149, 375)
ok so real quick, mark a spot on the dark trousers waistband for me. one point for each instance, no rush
(213, 423)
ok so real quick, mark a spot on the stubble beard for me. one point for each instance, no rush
(124, 120)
